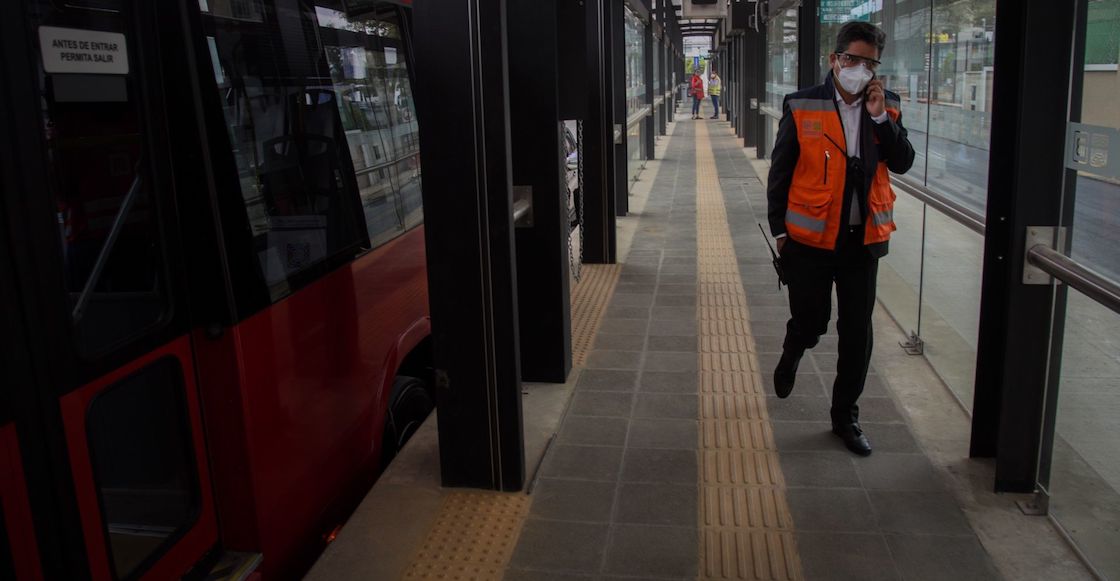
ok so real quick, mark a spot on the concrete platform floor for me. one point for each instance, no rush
(619, 490)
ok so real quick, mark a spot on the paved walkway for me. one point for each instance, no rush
(673, 463)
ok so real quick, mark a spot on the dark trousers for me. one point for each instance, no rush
(715, 105)
(695, 106)
(811, 273)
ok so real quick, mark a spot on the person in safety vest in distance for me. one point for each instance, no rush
(696, 89)
(830, 208)
(714, 86)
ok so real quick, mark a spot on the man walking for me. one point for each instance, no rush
(830, 209)
(714, 88)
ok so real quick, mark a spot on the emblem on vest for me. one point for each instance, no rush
(811, 127)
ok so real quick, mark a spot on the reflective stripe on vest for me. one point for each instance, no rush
(882, 218)
(803, 221)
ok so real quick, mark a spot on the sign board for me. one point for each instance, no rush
(839, 11)
(90, 52)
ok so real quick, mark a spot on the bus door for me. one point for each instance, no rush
(98, 257)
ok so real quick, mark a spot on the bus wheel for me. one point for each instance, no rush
(409, 404)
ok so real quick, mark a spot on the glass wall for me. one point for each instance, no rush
(781, 68)
(637, 100)
(1084, 483)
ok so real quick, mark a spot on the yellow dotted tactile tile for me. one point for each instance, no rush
(472, 539)
(746, 530)
(589, 300)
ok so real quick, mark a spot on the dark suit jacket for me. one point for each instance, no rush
(893, 148)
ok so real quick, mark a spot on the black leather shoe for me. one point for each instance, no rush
(853, 438)
(786, 372)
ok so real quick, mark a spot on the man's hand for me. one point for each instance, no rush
(780, 243)
(876, 101)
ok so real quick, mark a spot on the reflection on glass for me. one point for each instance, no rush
(781, 69)
(636, 97)
(1085, 471)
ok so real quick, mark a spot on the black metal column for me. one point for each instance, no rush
(600, 241)
(542, 241)
(649, 127)
(461, 98)
(808, 44)
(1026, 177)
(615, 39)
(756, 88)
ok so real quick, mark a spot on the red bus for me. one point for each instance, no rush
(213, 288)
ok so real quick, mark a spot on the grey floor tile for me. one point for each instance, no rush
(607, 380)
(593, 431)
(622, 360)
(845, 557)
(632, 300)
(921, 558)
(875, 387)
(818, 470)
(769, 345)
(768, 328)
(673, 327)
(670, 361)
(678, 260)
(657, 504)
(635, 288)
(653, 552)
(825, 362)
(805, 384)
(660, 314)
(769, 314)
(623, 326)
(830, 509)
(666, 300)
(682, 269)
(632, 268)
(583, 462)
(890, 471)
(676, 289)
(667, 406)
(663, 433)
(677, 279)
(827, 345)
(537, 575)
(889, 437)
(879, 410)
(575, 500)
(807, 436)
(637, 278)
(655, 465)
(668, 381)
(933, 513)
(620, 342)
(801, 408)
(560, 546)
(672, 343)
(602, 403)
(625, 312)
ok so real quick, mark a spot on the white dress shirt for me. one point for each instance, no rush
(850, 117)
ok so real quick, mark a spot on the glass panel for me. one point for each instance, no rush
(99, 174)
(900, 272)
(952, 267)
(143, 464)
(1085, 472)
(781, 70)
(636, 98)
(369, 71)
(282, 112)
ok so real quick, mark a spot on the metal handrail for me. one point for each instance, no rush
(960, 213)
(1086, 280)
(637, 116)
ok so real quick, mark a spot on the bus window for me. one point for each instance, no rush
(143, 464)
(282, 115)
(368, 68)
(99, 175)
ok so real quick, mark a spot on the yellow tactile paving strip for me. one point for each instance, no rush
(746, 531)
(589, 300)
(472, 539)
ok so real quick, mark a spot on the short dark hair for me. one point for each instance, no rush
(865, 31)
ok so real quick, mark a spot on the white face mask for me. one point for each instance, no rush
(854, 79)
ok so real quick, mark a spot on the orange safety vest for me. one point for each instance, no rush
(815, 210)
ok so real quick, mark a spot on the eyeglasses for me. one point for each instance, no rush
(851, 60)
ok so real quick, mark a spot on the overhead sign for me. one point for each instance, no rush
(91, 52)
(839, 11)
